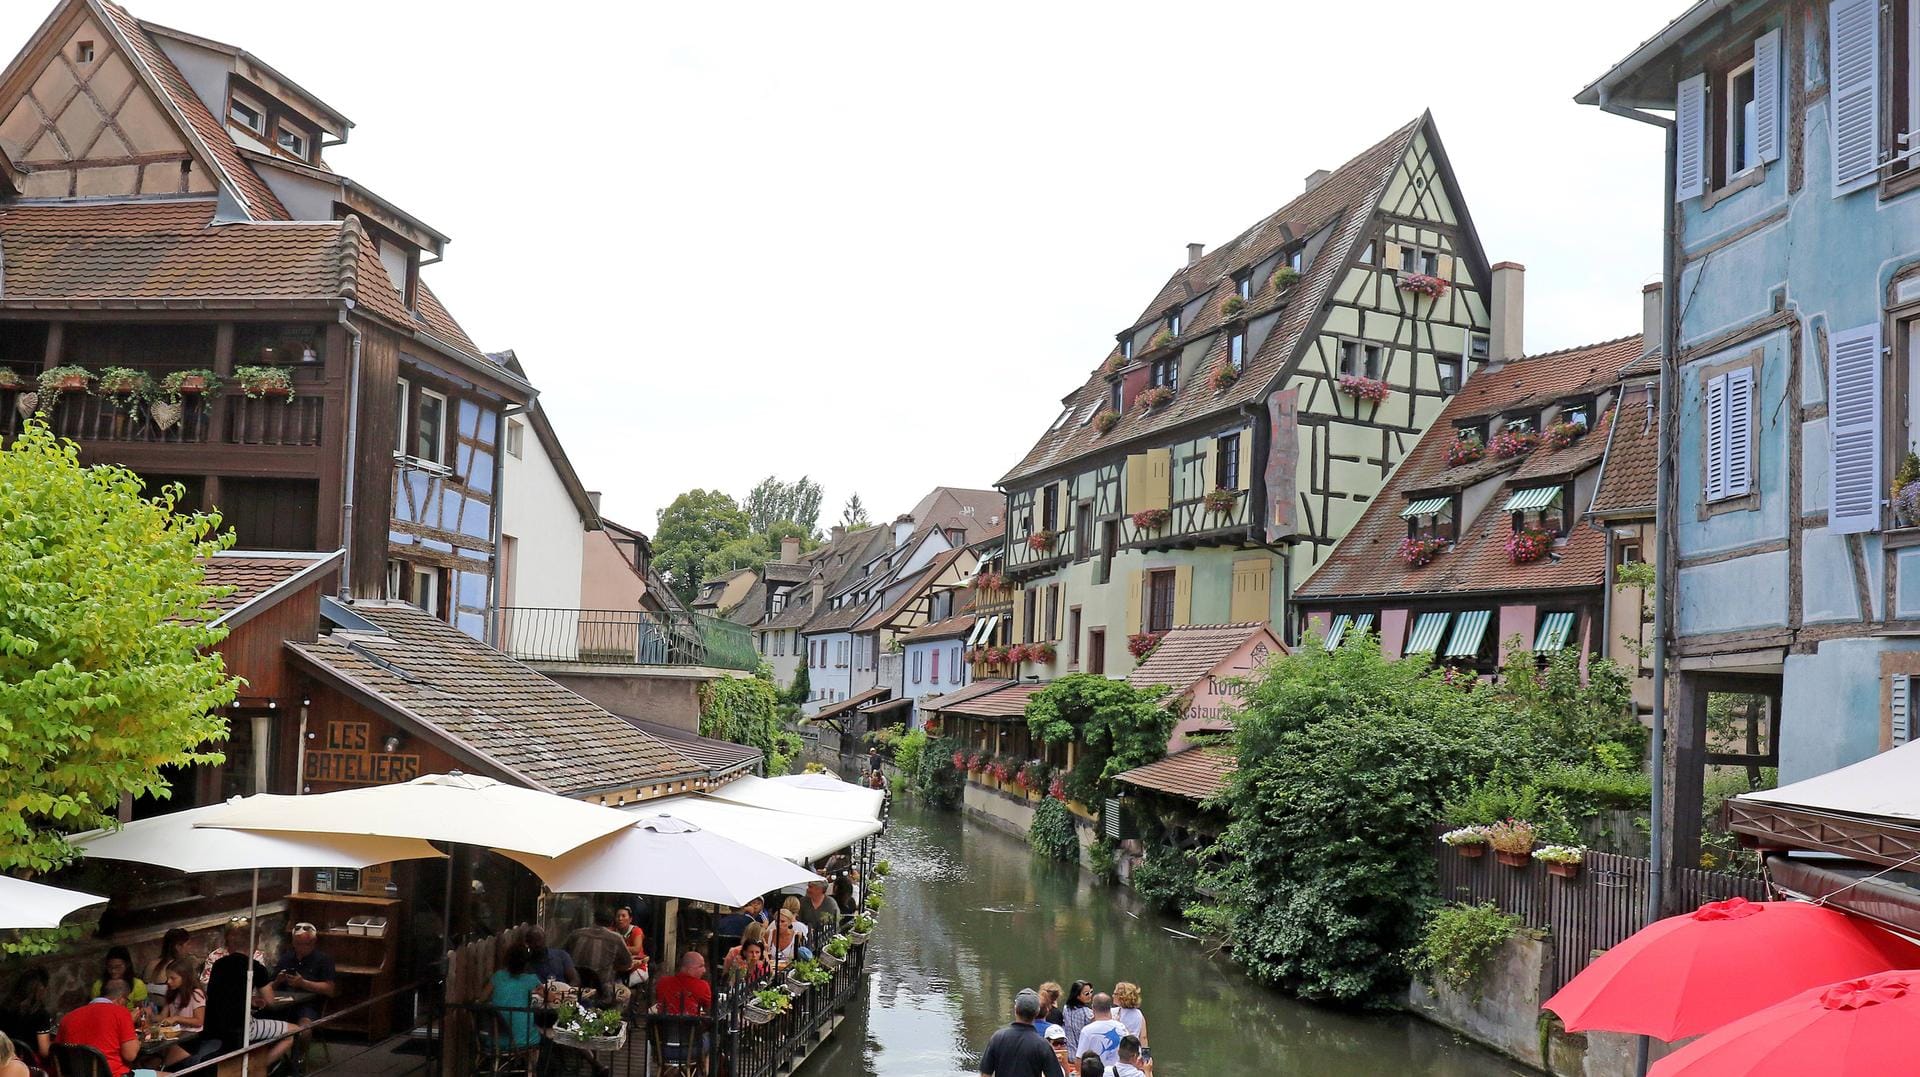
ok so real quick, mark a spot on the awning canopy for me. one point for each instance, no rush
(849, 802)
(1886, 786)
(1555, 628)
(1468, 630)
(25, 905)
(1532, 499)
(1426, 506)
(982, 630)
(1425, 637)
(851, 704)
(177, 840)
(787, 835)
(1336, 629)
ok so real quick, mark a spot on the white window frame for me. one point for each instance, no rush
(1731, 130)
(1237, 348)
(1441, 365)
(403, 428)
(300, 141)
(516, 438)
(1479, 346)
(430, 576)
(1244, 286)
(258, 125)
(396, 572)
(413, 440)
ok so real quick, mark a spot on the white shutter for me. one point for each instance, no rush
(1853, 28)
(1767, 105)
(1853, 416)
(1690, 131)
(1900, 716)
(1738, 469)
(1716, 438)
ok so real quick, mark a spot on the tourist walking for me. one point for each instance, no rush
(1075, 1014)
(1103, 1034)
(1126, 1010)
(1018, 1050)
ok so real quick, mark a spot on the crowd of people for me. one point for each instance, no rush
(1078, 1031)
(185, 1009)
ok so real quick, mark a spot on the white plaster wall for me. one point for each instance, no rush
(545, 522)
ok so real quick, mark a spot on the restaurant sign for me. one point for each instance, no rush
(350, 757)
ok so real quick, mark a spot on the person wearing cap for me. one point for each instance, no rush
(1018, 1049)
(303, 966)
(1057, 1040)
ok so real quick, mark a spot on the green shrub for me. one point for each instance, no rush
(1457, 943)
(1117, 726)
(1491, 801)
(1165, 880)
(1052, 834)
(1103, 859)
(935, 781)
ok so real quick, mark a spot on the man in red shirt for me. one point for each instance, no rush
(105, 1025)
(686, 993)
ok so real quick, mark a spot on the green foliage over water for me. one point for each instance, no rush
(1052, 834)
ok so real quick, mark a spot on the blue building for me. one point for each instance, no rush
(1793, 300)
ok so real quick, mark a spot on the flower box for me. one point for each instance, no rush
(1141, 644)
(1151, 519)
(1283, 278)
(1466, 450)
(1419, 552)
(1471, 852)
(1223, 376)
(1232, 305)
(1161, 339)
(1512, 841)
(1562, 869)
(1423, 284)
(1153, 398)
(1560, 435)
(10, 381)
(1363, 388)
(1040, 542)
(756, 1014)
(66, 379)
(1508, 444)
(1528, 544)
(1106, 421)
(259, 382)
(1041, 653)
(1512, 860)
(591, 1043)
(1220, 502)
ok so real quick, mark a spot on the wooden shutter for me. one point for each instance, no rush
(1390, 255)
(1853, 416)
(1716, 453)
(1690, 133)
(1137, 484)
(1019, 618)
(1853, 70)
(1252, 579)
(1135, 580)
(1149, 482)
(1900, 709)
(1183, 594)
(1767, 104)
(1737, 472)
(1209, 468)
(1445, 267)
(1245, 475)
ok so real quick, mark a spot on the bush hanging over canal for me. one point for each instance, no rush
(1052, 834)
(746, 710)
(1117, 726)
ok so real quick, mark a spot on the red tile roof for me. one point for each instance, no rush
(1367, 561)
(1189, 652)
(986, 699)
(1347, 196)
(851, 703)
(947, 629)
(1631, 471)
(1196, 773)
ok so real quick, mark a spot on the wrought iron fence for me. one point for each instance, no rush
(624, 638)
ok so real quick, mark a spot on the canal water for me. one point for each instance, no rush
(973, 917)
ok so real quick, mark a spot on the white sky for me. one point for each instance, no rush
(876, 243)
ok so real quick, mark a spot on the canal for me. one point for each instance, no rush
(973, 917)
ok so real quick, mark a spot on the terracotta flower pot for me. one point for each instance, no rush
(1513, 860)
(71, 383)
(1471, 852)
(193, 385)
(1565, 871)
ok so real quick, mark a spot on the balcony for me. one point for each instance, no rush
(624, 638)
(230, 419)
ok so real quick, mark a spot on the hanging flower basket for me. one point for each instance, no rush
(1041, 653)
(1418, 552)
(1528, 544)
(1283, 278)
(1512, 841)
(1430, 286)
(1233, 305)
(1150, 399)
(1106, 421)
(259, 382)
(1223, 376)
(1151, 519)
(1141, 644)
(1221, 502)
(1561, 860)
(989, 582)
(1468, 841)
(1015, 654)
(10, 380)
(189, 383)
(1508, 444)
(1040, 542)
(1466, 450)
(1562, 434)
(125, 387)
(65, 379)
(1363, 388)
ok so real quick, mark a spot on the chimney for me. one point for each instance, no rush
(1195, 252)
(790, 550)
(593, 498)
(902, 530)
(837, 531)
(1652, 308)
(1507, 306)
(1317, 177)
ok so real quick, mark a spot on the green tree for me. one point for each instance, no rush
(1118, 727)
(106, 668)
(689, 532)
(774, 501)
(855, 514)
(801, 687)
(746, 710)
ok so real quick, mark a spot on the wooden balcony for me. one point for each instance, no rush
(230, 419)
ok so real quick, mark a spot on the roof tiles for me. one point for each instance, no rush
(1196, 774)
(1189, 652)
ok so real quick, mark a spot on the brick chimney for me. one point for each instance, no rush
(1652, 308)
(1507, 308)
(790, 549)
(1317, 177)
(1195, 252)
(837, 532)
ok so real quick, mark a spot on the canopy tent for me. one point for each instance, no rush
(851, 803)
(785, 834)
(1887, 784)
(456, 807)
(26, 905)
(179, 840)
(667, 856)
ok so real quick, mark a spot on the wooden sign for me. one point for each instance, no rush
(350, 758)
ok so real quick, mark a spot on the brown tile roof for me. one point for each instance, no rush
(1367, 560)
(986, 699)
(441, 324)
(717, 757)
(852, 703)
(1629, 473)
(427, 674)
(1346, 197)
(953, 626)
(1194, 773)
(254, 575)
(916, 587)
(1189, 652)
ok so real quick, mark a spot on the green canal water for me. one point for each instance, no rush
(973, 917)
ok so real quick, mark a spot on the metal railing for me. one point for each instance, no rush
(624, 638)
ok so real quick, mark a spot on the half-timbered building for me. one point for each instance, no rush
(1242, 424)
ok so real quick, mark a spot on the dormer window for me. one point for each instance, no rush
(1126, 348)
(1113, 397)
(293, 142)
(1297, 260)
(1479, 346)
(247, 116)
(1432, 518)
(1522, 424)
(1237, 349)
(1243, 286)
(1549, 508)
(1165, 372)
(1173, 323)
(1579, 413)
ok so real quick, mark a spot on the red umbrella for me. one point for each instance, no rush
(1854, 1027)
(1695, 972)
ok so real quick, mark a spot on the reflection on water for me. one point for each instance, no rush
(973, 917)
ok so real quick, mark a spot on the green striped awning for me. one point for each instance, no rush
(1362, 622)
(1555, 629)
(1531, 500)
(1468, 630)
(1336, 629)
(1426, 506)
(1425, 637)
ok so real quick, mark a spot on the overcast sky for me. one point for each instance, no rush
(877, 243)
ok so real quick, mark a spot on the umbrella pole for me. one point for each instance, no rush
(446, 965)
(253, 926)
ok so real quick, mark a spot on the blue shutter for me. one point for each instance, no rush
(1853, 95)
(1690, 133)
(1767, 105)
(1853, 419)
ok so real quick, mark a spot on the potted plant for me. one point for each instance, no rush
(1508, 444)
(1528, 544)
(1905, 493)
(1106, 421)
(989, 581)
(1232, 305)
(1150, 399)
(875, 903)
(1465, 450)
(1424, 284)
(1221, 501)
(765, 1006)
(10, 380)
(1160, 340)
(1468, 841)
(584, 1026)
(1223, 376)
(1561, 434)
(883, 869)
(1418, 552)
(1151, 519)
(126, 388)
(1512, 841)
(65, 379)
(1040, 653)
(1040, 542)
(1283, 278)
(1141, 644)
(181, 383)
(834, 953)
(1561, 860)
(861, 927)
(259, 382)
(1363, 388)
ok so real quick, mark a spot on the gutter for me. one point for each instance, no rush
(1669, 36)
(353, 439)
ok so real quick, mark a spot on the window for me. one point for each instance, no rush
(919, 662)
(1096, 650)
(1030, 608)
(1297, 260)
(1739, 146)
(516, 430)
(1051, 630)
(430, 427)
(1471, 432)
(1050, 506)
(1173, 322)
(293, 142)
(1522, 424)
(1727, 121)
(396, 576)
(1579, 413)
(1113, 397)
(1243, 286)
(1226, 462)
(1433, 518)
(1166, 372)
(1082, 530)
(1109, 539)
(426, 590)
(1419, 260)
(1126, 347)
(1160, 600)
(1237, 349)
(1449, 370)
(1479, 346)
(1073, 638)
(247, 116)
(83, 52)
(400, 418)
(1360, 359)
(1729, 433)
(779, 602)
(955, 668)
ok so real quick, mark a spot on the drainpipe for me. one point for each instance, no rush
(353, 442)
(499, 510)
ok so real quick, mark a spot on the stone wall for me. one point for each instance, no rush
(1004, 811)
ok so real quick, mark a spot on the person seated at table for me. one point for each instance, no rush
(186, 1003)
(510, 989)
(549, 962)
(635, 940)
(27, 1014)
(734, 924)
(303, 966)
(174, 945)
(10, 1064)
(599, 949)
(686, 993)
(106, 1025)
(118, 966)
(747, 962)
(233, 940)
(229, 1019)
(787, 936)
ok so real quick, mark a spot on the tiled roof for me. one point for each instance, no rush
(430, 675)
(852, 703)
(250, 575)
(947, 629)
(440, 322)
(1346, 197)
(781, 572)
(986, 699)
(916, 588)
(717, 757)
(1194, 773)
(1367, 560)
(1189, 652)
(1629, 473)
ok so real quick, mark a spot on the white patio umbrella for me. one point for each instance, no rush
(456, 807)
(848, 802)
(666, 856)
(30, 905)
(787, 835)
